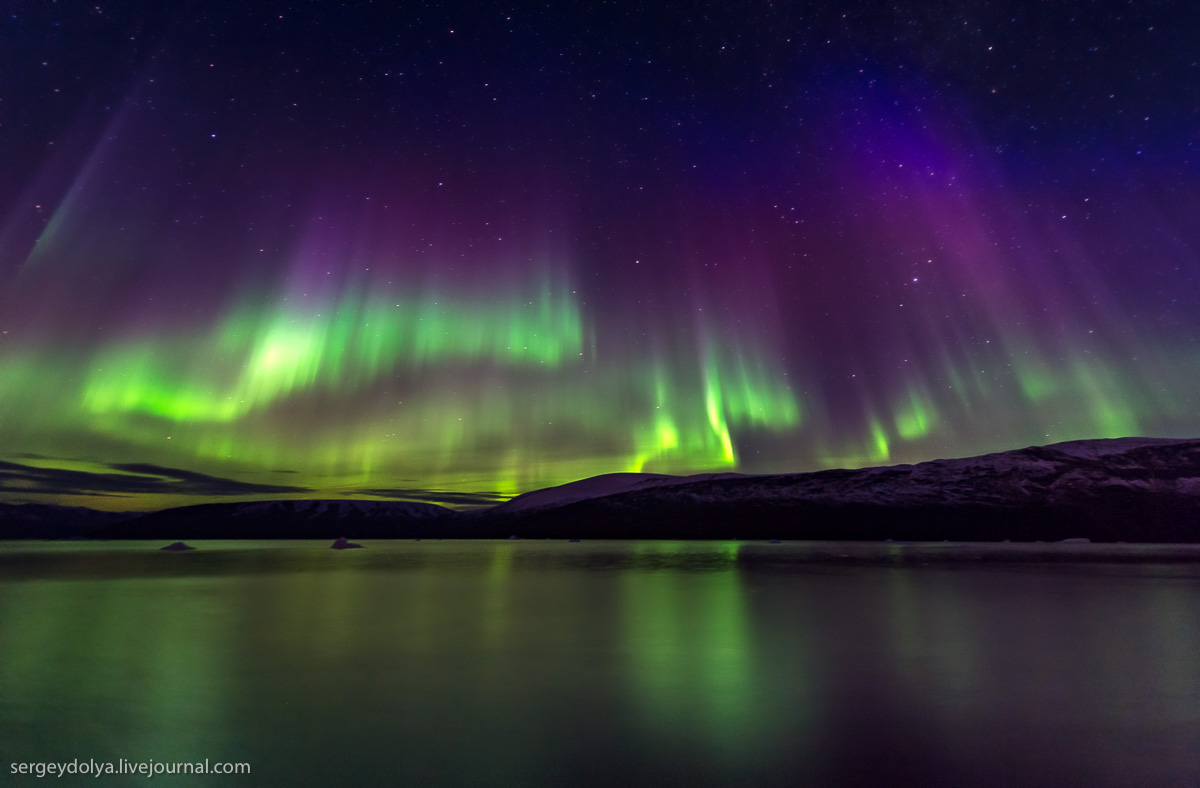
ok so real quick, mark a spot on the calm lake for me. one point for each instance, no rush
(602, 663)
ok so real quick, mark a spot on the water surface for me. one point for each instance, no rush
(605, 663)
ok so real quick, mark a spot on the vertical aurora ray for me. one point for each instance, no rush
(697, 410)
(915, 418)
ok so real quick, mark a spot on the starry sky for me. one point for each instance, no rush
(455, 251)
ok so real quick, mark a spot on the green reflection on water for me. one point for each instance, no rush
(692, 665)
(494, 620)
(661, 663)
(64, 646)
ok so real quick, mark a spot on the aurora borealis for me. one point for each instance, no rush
(458, 251)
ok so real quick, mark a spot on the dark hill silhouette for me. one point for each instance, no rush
(1128, 489)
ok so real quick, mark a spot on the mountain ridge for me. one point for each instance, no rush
(1121, 489)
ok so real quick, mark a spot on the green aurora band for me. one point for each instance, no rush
(503, 393)
(499, 392)
(254, 359)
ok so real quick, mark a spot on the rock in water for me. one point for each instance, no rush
(341, 543)
(175, 547)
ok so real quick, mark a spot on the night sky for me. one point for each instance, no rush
(452, 252)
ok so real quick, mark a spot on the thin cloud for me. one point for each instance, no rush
(137, 479)
(436, 496)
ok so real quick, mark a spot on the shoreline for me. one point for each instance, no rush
(117, 559)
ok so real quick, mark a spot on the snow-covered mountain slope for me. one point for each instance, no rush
(1042, 473)
(1132, 488)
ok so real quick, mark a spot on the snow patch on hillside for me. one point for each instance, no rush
(600, 487)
